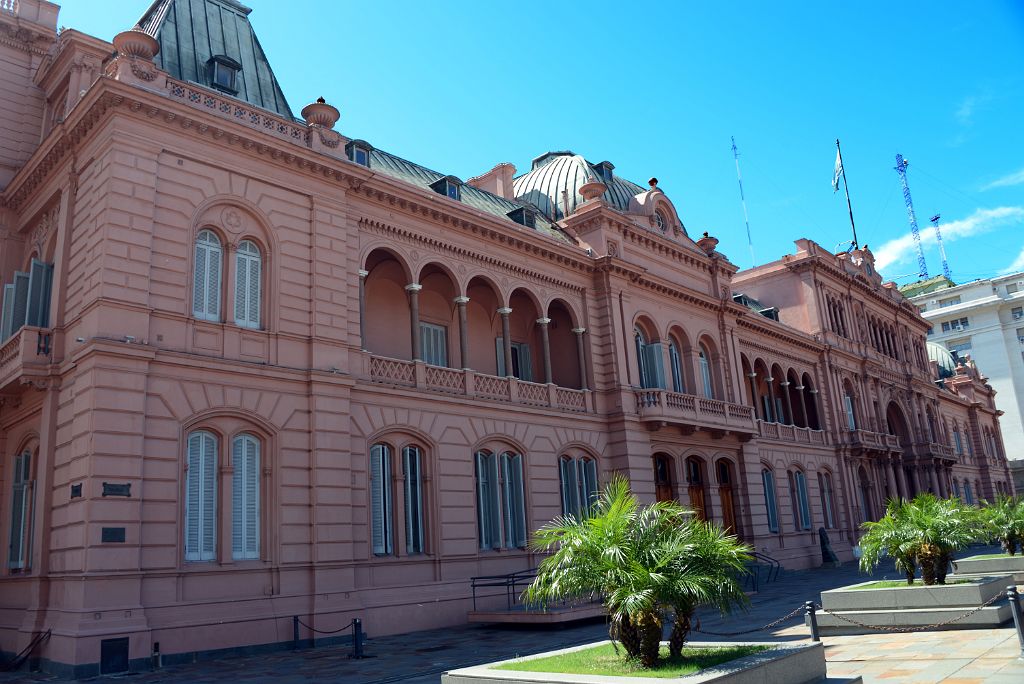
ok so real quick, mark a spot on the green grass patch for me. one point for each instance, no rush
(603, 660)
(902, 584)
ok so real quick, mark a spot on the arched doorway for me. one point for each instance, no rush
(726, 477)
(896, 423)
(664, 488)
(695, 486)
(864, 489)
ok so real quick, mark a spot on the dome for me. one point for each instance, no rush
(554, 172)
(939, 354)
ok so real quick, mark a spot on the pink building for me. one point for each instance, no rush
(252, 368)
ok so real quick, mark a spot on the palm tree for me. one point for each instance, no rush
(890, 536)
(1004, 520)
(641, 560)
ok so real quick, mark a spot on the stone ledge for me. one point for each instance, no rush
(992, 616)
(937, 597)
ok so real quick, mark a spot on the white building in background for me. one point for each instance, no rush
(984, 319)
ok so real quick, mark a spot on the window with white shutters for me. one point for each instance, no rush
(704, 360)
(512, 493)
(578, 478)
(434, 344)
(201, 497)
(380, 499)
(501, 507)
(804, 505)
(245, 498)
(768, 483)
(487, 498)
(825, 492)
(676, 364)
(851, 416)
(7, 313)
(248, 283)
(21, 514)
(522, 361)
(206, 277)
(412, 468)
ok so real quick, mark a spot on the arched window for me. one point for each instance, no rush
(798, 499)
(704, 359)
(245, 498)
(578, 478)
(848, 404)
(501, 508)
(768, 482)
(968, 494)
(650, 362)
(956, 439)
(382, 499)
(206, 277)
(827, 500)
(695, 482)
(412, 472)
(20, 544)
(201, 498)
(676, 365)
(248, 283)
(381, 523)
(664, 489)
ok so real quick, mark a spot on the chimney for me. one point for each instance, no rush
(497, 181)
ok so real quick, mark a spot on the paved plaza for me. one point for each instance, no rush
(989, 656)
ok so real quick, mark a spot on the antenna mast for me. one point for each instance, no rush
(942, 250)
(901, 168)
(743, 200)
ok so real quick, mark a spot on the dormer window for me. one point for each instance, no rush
(223, 73)
(449, 185)
(524, 217)
(604, 169)
(359, 152)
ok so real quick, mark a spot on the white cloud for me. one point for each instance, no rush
(1017, 265)
(1009, 180)
(901, 249)
(965, 111)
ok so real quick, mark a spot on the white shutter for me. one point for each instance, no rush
(493, 501)
(213, 283)
(380, 499)
(705, 374)
(413, 500)
(7, 314)
(482, 503)
(20, 300)
(206, 278)
(241, 289)
(238, 498)
(499, 348)
(434, 344)
(245, 498)
(654, 366)
(518, 503)
(199, 280)
(573, 480)
(248, 268)
(39, 287)
(20, 512)
(851, 417)
(208, 529)
(201, 498)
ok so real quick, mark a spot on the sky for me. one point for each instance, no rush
(659, 89)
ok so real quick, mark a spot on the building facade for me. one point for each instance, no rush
(253, 368)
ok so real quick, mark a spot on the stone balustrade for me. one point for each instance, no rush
(26, 350)
(662, 405)
(791, 433)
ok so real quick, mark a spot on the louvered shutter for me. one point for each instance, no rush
(654, 366)
(493, 501)
(241, 289)
(20, 300)
(238, 498)
(213, 283)
(200, 498)
(525, 363)
(482, 503)
(413, 501)
(7, 313)
(851, 417)
(208, 530)
(705, 373)
(563, 471)
(380, 500)
(573, 481)
(499, 349)
(20, 511)
(518, 533)
(248, 272)
(199, 280)
(677, 368)
(434, 344)
(39, 288)
(252, 498)
(768, 483)
(589, 484)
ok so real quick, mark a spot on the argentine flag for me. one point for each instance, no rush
(838, 172)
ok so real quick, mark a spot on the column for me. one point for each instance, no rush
(788, 401)
(803, 405)
(578, 332)
(546, 345)
(506, 339)
(461, 302)
(362, 308)
(414, 317)
(901, 477)
(933, 471)
(772, 418)
(753, 392)
(890, 479)
(817, 410)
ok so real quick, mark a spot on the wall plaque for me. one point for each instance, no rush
(112, 535)
(113, 489)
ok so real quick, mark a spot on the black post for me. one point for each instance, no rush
(357, 638)
(295, 632)
(809, 611)
(1018, 622)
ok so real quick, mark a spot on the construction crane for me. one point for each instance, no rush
(942, 250)
(901, 168)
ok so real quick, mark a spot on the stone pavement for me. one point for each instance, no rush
(953, 657)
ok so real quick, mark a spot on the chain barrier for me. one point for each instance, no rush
(357, 634)
(320, 631)
(749, 631)
(915, 628)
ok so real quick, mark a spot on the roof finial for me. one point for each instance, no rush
(653, 182)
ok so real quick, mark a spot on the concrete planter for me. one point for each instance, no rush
(785, 663)
(975, 565)
(916, 606)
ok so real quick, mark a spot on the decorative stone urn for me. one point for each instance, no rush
(708, 244)
(592, 190)
(137, 44)
(321, 114)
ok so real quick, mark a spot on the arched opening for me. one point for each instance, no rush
(811, 402)
(708, 365)
(680, 353)
(527, 357)
(864, 490)
(664, 489)
(765, 392)
(850, 406)
(783, 408)
(796, 399)
(387, 306)
(650, 360)
(725, 474)
(896, 423)
(483, 325)
(566, 364)
(696, 478)
(438, 319)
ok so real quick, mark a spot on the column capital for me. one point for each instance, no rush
(363, 274)
(579, 331)
(413, 287)
(751, 375)
(543, 321)
(769, 379)
(814, 391)
(462, 299)
(505, 311)
(784, 383)
(799, 388)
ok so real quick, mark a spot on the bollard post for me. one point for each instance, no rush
(1018, 621)
(357, 638)
(813, 619)
(295, 632)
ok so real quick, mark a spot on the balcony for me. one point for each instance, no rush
(790, 433)
(873, 441)
(472, 385)
(662, 406)
(934, 450)
(25, 354)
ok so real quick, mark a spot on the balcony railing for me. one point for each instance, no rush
(790, 433)
(27, 352)
(935, 450)
(866, 439)
(468, 383)
(662, 405)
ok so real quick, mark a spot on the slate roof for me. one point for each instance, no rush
(190, 32)
(556, 171)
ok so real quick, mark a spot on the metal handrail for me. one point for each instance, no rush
(511, 581)
(774, 566)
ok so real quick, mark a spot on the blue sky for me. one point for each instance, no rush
(659, 88)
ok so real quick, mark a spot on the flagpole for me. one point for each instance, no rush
(847, 188)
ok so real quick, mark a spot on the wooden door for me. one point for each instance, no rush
(663, 489)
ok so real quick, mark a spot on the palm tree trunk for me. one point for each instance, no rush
(649, 625)
(626, 633)
(910, 576)
(942, 566)
(680, 631)
(928, 562)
